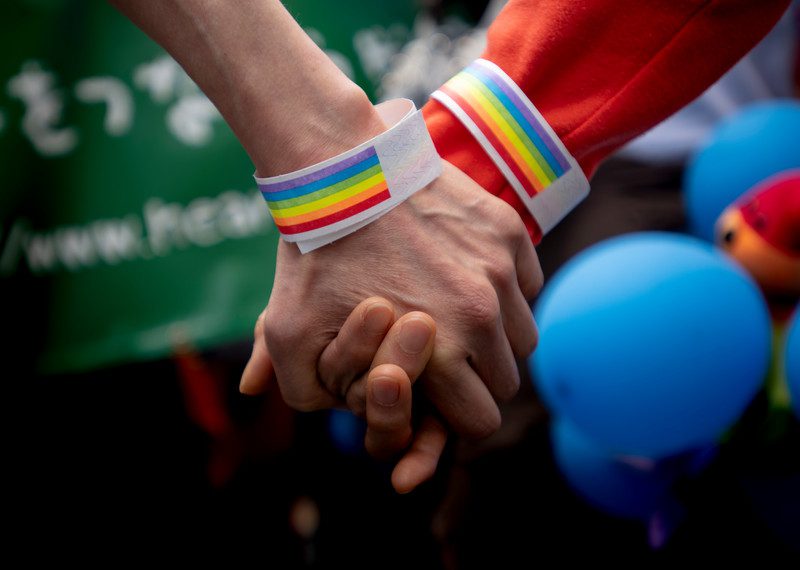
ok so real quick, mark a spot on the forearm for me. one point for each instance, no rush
(287, 103)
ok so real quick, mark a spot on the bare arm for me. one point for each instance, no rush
(287, 103)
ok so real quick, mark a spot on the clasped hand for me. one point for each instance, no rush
(457, 266)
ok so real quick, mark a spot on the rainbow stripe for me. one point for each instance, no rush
(328, 195)
(502, 115)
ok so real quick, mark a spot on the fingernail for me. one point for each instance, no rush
(414, 336)
(377, 319)
(386, 391)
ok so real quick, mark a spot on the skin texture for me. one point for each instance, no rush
(474, 284)
(452, 251)
(400, 356)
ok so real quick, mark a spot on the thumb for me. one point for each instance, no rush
(259, 372)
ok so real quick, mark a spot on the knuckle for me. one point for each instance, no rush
(338, 382)
(529, 346)
(502, 273)
(525, 346)
(478, 303)
(485, 425)
(356, 399)
(301, 394)
(281, 333)
(301, 402)
(534, 342)
(538, 278)
(510, 221)
(273, 331)
(508, 388)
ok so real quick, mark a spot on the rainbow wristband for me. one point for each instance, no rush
(324, 202)
(518, 140)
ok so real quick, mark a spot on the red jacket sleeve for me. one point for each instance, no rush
(602, 72)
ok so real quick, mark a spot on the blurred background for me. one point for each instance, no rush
(136, 253)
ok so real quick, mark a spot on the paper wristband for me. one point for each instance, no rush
(518, 139)
(324, 202)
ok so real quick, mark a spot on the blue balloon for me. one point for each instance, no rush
(609, 484)
(651, 343)
(792, 360)
(346, 431)
(742, 151)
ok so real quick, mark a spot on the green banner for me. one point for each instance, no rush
(129, 219)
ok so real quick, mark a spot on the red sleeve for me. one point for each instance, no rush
(602, 72)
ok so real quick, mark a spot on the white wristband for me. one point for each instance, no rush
(329, 200)
(517, 138)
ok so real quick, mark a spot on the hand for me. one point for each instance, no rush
(388, 403)
(387, 386)
(453, 251)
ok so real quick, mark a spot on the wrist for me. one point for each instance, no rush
(322, 202)
(313, 128)
(517, 138)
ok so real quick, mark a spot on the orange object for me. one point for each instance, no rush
(761, 230)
